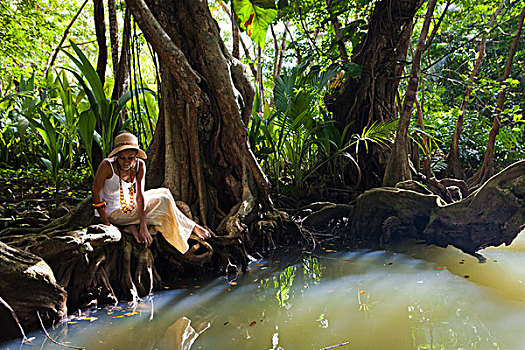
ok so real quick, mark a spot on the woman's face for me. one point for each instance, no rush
(127, 158)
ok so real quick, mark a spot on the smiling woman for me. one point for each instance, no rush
(119, 198)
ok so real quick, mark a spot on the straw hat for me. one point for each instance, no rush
(126, 141)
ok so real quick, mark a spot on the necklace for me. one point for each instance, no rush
(125, 207)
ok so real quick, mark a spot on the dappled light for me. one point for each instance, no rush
(336, 174)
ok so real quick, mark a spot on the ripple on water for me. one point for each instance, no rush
(413, 297)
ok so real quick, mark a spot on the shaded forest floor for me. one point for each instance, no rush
(28, 195)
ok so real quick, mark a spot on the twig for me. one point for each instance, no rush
(336, 346)
(15, 318)
(54, 341)
(66, 32)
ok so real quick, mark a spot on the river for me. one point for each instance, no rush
(409, 297)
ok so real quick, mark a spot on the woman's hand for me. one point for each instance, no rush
(144, 235)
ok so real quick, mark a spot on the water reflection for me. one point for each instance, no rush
(412, 297)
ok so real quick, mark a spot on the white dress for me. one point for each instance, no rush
(159, 206)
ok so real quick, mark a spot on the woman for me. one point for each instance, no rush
(119, 198)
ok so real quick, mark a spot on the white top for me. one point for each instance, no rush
(111, 191)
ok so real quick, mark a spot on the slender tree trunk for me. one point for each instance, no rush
(113, 35)
(123, 69)
(453, 161)
(122, 75)
(259, 77)
(487, 168)
(424, 141)
(100, 30)
(397, 168)
(200, 150)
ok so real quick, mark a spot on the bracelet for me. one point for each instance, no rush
(99, 205)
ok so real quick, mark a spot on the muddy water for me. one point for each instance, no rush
(410, 297)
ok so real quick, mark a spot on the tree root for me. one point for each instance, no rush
(492, 215)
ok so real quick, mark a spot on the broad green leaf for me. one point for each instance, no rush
(254, 16)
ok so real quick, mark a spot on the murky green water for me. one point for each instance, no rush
(413, 297)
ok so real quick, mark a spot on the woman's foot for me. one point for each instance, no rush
(201, 232)
(134, 230)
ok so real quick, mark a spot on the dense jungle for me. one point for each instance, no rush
(324, 126)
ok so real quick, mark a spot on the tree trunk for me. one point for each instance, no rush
(487, 168)
(123, 71)
(200, 150)
(397, 168)
(369, 98)
(275, 53)
(113, 35)
(259, 77)
(281, 52)
(100, 30)
(235, 27)
(453, 161)
(382, 55)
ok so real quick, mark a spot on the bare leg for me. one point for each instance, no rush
(201, 231)
(134, 230)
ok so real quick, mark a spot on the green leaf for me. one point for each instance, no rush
(254, 16)
(91, 75)
(86, 129)
(48, 164)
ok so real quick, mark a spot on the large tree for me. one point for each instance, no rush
(200, 150)
(382, 53)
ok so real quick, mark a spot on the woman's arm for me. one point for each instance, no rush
(104, 171)
(143, 228)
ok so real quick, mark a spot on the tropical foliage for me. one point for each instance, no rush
(300, 52)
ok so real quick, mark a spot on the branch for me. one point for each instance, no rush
(13, 315)
(66, 32)
(436, 27)
(451, 51)
(54, 341)
(310, 40)
(336, 346)
(168, 52)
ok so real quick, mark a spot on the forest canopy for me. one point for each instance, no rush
(271, 122)
(298, 54)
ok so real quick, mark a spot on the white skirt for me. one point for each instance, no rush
(161, 212)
